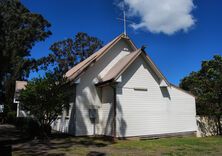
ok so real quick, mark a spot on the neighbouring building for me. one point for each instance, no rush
(19, 85)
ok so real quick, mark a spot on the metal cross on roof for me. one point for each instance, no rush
(124, 22)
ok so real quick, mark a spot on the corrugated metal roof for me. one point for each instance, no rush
(120, 66)
(79, 68)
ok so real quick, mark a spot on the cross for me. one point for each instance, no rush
(124, 22)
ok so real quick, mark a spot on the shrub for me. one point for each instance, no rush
(11, 117)
(28, 125)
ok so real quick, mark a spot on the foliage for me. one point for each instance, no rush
(20, 29)
(206, 85)
(45, 98)
(67, 53)
(11, 117)
(29, 126)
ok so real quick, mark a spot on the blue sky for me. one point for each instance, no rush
(176, 55)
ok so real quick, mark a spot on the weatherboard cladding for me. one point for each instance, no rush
(107, 110)
(139, 112)
(153, 111)
(88, 94)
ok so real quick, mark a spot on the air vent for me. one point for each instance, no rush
(140, 89)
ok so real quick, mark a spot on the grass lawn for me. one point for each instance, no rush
(74, 146)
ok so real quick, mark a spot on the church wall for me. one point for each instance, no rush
(143, 108)
(88, 96)
(107, 110)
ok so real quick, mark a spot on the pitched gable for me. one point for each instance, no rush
(124, 63)
(120, 66)
(80, 67)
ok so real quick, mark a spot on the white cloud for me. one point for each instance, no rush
(162, 16)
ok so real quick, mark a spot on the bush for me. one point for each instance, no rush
(47, 129)
(11, 117)
(28, 125)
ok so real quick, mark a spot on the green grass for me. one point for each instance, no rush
(176, 146)
(83, 145)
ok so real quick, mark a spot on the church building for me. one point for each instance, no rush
(119, 91)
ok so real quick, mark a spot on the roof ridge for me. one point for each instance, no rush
(75, 71)
(71, 74)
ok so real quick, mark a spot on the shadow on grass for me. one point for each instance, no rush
(58, 144)
(10, 135)
(94, 153)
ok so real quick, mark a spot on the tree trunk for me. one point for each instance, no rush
(47, 129)
(219, 132)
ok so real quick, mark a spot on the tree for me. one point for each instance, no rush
(67, 53)
(206, 85)
(19, 31)
(46, 98)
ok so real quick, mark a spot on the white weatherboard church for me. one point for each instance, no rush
(118, 91)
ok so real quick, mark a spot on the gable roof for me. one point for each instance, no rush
(114, 73)
(74, 72)
(121, 66)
